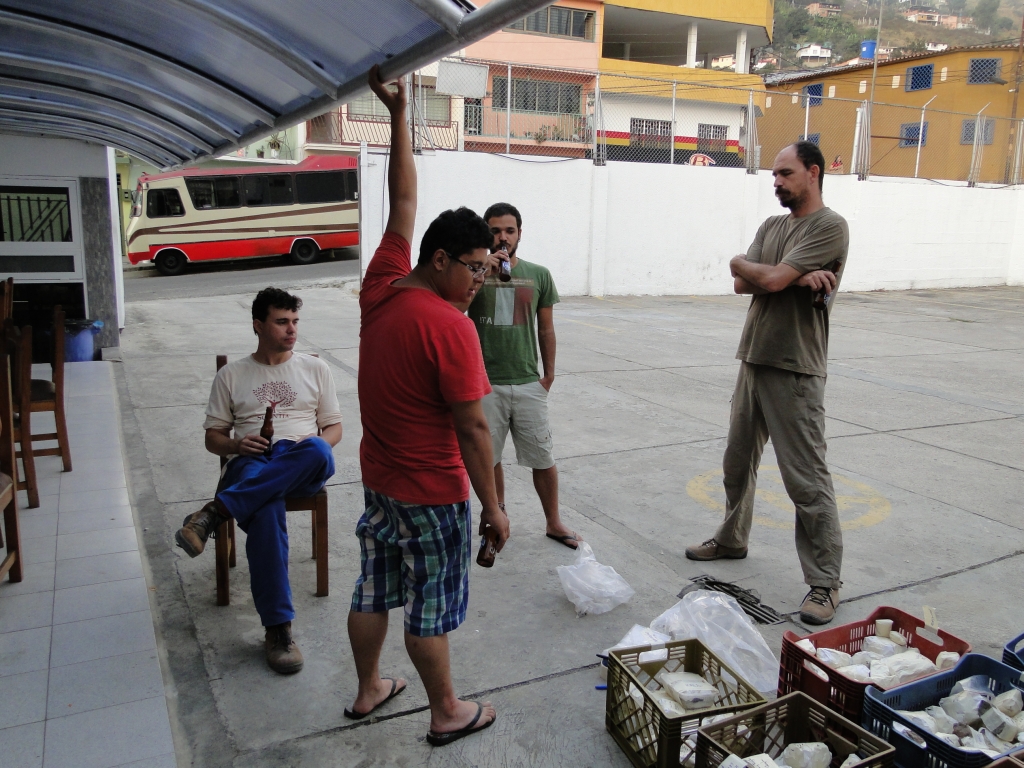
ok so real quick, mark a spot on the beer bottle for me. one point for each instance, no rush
(488, 547)
(822, 298)
(505, 274)
(267, 430)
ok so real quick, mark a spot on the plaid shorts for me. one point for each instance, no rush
(417, 556)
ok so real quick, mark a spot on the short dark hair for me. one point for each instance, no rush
(504, 209)
(810, 154)
(456, 233)
(276, 298)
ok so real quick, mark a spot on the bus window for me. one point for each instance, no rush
(213, 192)
(269, 189)
(163, 202)
(320, 187)
(353, 185)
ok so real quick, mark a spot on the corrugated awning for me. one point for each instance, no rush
(173, 81)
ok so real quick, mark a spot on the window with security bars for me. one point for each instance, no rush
(919, 78)
(650, 133)
(967, 128)
(559, 22)
(35, 215)
(814, 138)
(473, 116)
(537, 96)
(909, 133)
(712, 138)
(433, 106)
(812, 93)
(983, 71)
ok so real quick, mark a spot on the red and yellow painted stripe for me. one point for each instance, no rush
(622, 139)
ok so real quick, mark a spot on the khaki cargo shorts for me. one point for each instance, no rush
(523, 408)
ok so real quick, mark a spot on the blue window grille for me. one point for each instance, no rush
(909, 132)
(814, 138)
(919, 78)
(813, 93)
(983, 71)
(967, 131)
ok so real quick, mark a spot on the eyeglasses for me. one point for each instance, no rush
(477, 271)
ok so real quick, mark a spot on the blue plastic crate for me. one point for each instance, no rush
(1013, 653)
(880, 713)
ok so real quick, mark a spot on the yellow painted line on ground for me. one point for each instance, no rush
(852, 497)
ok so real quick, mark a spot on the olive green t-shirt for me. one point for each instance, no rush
(505, 315)
(783, 329)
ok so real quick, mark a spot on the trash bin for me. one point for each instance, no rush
(78, 340)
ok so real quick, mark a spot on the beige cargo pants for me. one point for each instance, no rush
(788, 407)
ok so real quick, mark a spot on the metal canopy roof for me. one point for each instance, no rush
(174, 81)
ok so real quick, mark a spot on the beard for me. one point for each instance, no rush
(790, 200)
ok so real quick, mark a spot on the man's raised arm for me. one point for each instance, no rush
(402, 168)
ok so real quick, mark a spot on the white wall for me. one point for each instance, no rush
(637, 228)
(58, 158)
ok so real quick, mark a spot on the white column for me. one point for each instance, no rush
(625, 51)
(742, 55)
(691, 46)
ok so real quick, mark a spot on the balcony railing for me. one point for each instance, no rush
(340, 128)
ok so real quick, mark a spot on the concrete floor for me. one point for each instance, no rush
(925, 427)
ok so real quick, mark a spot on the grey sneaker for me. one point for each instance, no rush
(198, 527)
(712, 550)
(283, 655)
(819, 607)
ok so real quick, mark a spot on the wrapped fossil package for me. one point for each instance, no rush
(943, 722)
(851, 760)
(905, 666)
(997, 723)
(833, 658)
(807, 645)
(669, 706)
(689, 689)
(857, 672)
(947, 660)
(865, 658)
(880, 645)
(922, 719)
(811, 754)
(1009, 703)
(965, 706)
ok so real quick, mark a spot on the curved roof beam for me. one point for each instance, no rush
(116, 81)
(444, 12)
(186, 138)
(78, 36)
(89, 128)
(69, 133)
(246, 30)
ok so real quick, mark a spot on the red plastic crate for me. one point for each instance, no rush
(839, 692)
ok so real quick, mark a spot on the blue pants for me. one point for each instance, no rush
(253, 491)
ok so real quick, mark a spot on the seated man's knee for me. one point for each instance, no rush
(321, 447)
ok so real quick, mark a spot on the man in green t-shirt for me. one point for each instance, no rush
(780, 390)
(512, 319)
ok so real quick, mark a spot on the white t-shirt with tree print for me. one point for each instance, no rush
(301, 391)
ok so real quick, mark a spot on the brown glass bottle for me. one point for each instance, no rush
(822, 298)
(267, 431)
(488, 547)
(505, 273)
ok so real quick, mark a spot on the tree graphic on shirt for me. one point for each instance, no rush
(275, 393)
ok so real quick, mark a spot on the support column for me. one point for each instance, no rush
(742, 54)
(691, 46)
(625, 51)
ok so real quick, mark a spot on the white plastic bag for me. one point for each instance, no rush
(717, 620)
(592, 587)
(638, 636)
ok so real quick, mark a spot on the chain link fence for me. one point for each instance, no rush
(499, 107)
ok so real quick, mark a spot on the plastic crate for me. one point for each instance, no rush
(880, 713)
(1013, 654)
(792, 719)
(839, 692)
(1010, 761)
(649, 737)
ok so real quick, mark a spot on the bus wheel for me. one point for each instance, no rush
(171, 262)
(304, 252)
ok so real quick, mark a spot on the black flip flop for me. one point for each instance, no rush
(395, 690)
(444, 739)
(563, 540)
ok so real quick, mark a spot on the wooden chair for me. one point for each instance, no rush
(11, 565)
(19, 348)
(49, 396)
(225, 536)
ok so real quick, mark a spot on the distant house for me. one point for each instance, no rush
(728, 61)
(766, 60)
(935, 47)
(814, 55)
(824, 10)
(935, 18)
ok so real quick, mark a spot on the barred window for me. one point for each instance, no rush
(537, 96)
(813, 93)
(435, 107)
(712, 138)
(650, 133)
(35, 215)
(983, 71)
(988, 132)
(558, 21)
(814, 138)
(909, 133)
(919, 78)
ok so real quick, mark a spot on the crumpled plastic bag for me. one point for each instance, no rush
(639, 636)
(592, 587)
(717, 620)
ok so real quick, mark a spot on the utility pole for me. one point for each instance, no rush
(878, 42)
(1011, 147)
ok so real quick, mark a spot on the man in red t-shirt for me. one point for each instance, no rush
(421, 381)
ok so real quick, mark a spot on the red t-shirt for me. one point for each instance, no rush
(417, 354)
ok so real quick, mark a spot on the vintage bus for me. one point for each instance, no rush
(228, 213)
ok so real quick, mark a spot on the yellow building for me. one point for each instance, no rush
(951, 87)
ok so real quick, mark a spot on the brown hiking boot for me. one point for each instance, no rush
(283, 655)
(198, 527)
(712, 550)
(819, 607)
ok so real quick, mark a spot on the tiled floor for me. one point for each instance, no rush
(79, 672)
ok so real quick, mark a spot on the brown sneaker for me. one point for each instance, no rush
(283, 655)
(819, 607)
(198, 527)
(712, 550)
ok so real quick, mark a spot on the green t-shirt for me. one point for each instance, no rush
(505, 315)
(783, 329)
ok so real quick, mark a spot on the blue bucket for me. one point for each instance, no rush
(78, 341)
(867, 49)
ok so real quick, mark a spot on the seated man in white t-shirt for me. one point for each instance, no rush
(300, 390)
